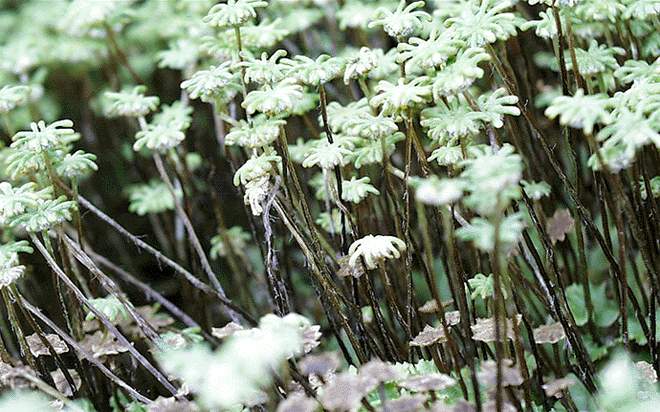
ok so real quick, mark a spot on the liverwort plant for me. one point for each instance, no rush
(461, 195)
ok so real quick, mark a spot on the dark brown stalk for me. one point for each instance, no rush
(192, 235)
(330, 290)
(499, 310)
(42, 338)
(102, 318)
(165, 260)
(86, 355)
(111, 288)
(114, 47)
(337, 169)
(559, 307)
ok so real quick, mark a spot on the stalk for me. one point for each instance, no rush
(86, 355)
(338, 174)
(114, 47)
(498, 308)
(102, 318)
(327, 287)
(192, 235)
(190, 278)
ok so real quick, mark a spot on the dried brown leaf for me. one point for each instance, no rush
(461, 406)
(429, 336)
(62, 385)
(344, 393)
(510, 373)
(171, 405)
(376, 372)
(226, 331)
(101, 345)
(405, 403)
(311, 336)
(559, 225)
(346, 270)
(319, 364)
(646, 371)
(557, 387)
(551, 333)
(13, 377)
(429, 382)
(484, 329)
(297, 402)
(39, 349)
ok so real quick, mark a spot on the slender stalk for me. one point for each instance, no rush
(102, 318)
(192, 235)
(498, 314)
(123, 59)
(337, 169)
(85, 354)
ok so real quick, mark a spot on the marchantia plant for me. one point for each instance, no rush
(329, 205)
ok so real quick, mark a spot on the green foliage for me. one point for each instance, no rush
(111, 307)
(153, 197)
(605, 308)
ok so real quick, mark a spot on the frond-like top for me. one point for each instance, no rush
(233, 13)
(238, 239)
(341, 117)
(181, 55)
(314, 72)
(176, 115)
(372, 127)
(261, 131)
(278, 100)
(492, 180)
(111, 307)
(16, 200)
(359, 64)
(638, 70)
(12, 97)
(494, 106)
(396, 99)
(158, 138)
(435, 191)
(265, 70)
(598, 58)
(43, 137)
(207, 84)
(130, 102)
(369, 151)
(257, 167)
(356, 190)
(82, 16)
(45, 214)
(600, 10)
(536, 190)
(405, 21)
(418, 53)
(328, 155)
(446, 123)
(485, 22)
(357, 14)
(581, 111)
(460, 74)
(629, 132)
(76, 165)
(374, 250)
(481, 232)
